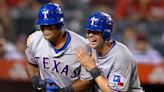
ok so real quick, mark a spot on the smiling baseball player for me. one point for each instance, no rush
(111, 64)
(52, 65)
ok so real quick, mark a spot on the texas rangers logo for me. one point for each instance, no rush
(45, 13)
(118, 79)
(93, 19)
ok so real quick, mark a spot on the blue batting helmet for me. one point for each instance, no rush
(50, 14)
(101, 22)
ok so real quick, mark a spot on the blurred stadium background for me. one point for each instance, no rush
(137, 23)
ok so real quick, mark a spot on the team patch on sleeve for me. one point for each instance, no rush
(118, 82)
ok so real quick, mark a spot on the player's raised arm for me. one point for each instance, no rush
(88, 62)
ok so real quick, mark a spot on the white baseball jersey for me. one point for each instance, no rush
(60, 65)
(119, 68)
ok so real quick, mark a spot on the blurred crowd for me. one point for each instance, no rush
(137, 23)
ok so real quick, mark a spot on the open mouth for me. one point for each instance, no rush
(93, 42)
(47, 33)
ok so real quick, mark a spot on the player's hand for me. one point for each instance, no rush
(47, 85)
(38, 84)
(87, 61)
(51, 86)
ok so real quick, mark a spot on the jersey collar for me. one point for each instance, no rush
(113, 44)
(65, 45)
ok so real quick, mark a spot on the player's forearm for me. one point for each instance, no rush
(31, 70)
(81, 85)
(103, 84)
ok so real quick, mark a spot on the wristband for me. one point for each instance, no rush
(95, 72)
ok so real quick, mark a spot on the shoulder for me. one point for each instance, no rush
(34, 37)
(121, 49)
(78, 41)
(76, 38)
(123, 54)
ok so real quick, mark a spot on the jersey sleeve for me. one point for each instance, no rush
(120, 75)
(29, 52)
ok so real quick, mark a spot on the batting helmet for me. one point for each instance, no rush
(101, 22)
(50, 14)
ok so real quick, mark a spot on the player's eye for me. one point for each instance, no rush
(48, 27)
(93, 32)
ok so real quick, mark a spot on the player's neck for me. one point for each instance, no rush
(106, 47)
(60, 40)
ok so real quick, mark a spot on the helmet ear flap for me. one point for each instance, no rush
(106, 35)
(109, 26)
(59, 25)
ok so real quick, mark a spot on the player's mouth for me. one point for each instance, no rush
(93, 42)
(47, 33)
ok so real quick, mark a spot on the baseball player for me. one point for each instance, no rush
(52, 65)
(110, 64)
